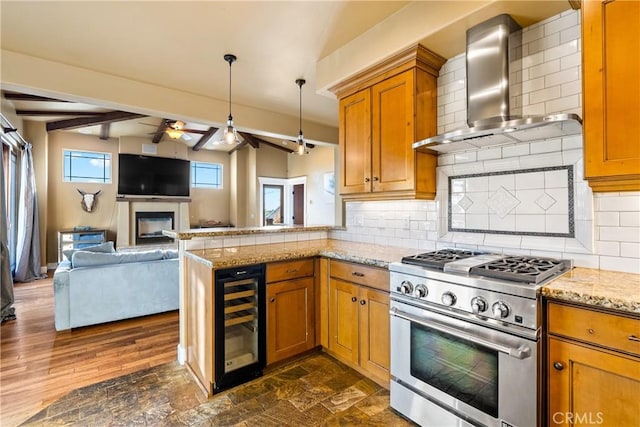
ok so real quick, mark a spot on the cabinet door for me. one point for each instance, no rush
(611, 65)
(290, 313)
(355, 143)
(374, 332)
(343, 319)
(592, 387)
(393, 133)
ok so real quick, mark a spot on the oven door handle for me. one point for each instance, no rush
(521, 352)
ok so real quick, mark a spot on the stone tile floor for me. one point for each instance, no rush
(314, 391)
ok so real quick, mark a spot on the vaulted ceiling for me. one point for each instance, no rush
(173, 51)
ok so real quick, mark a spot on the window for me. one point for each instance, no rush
(87, 166)
(206, 175)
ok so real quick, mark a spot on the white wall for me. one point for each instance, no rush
(550, 75)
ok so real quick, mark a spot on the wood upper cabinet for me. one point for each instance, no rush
(611, 66)
(383, 111)
(359, 317)
(593, 367)
(290, 309)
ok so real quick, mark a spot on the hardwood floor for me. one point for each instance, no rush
(39, 365)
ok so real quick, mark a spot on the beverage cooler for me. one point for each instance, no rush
(240, 325)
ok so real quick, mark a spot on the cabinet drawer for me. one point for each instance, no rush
(285, 270)
(609, 330)
(361, 274)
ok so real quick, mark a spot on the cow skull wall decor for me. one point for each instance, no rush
(89, 200)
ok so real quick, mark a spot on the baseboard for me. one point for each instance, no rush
(50, 266)
(182, 355)
(44, 269)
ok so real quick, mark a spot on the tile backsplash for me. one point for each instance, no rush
(606, 226)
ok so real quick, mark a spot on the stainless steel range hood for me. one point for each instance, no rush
(488, 113)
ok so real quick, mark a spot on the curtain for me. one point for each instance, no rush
(28, 232)
(6, 281)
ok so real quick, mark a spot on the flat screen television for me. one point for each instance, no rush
(152, 176)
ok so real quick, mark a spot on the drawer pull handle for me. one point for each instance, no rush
(558, 366)
(272, 299)
(292, 270)
(354, 299)
(357, 274)
(634, 338)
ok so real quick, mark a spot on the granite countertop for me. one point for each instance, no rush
(363, 253)
(600, 288)
(242, 231)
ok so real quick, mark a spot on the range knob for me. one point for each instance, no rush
(500, 310)
(421, 291)
(406, 287)
(448, 298)
(478, 305)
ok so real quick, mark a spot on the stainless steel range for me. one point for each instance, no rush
(465, 337)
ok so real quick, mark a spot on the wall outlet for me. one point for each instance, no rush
(406, 222)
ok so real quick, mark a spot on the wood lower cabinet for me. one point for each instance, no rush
(290, 309)
(382, 112)
(611, 65)
(359, 317)
(593, 367)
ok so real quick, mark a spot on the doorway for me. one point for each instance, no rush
(282, 201)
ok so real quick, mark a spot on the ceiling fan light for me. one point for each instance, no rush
(174, 133)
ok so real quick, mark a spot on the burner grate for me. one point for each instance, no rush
(521, 269)
(439, 258)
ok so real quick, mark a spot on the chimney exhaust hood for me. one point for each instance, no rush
(488, 119)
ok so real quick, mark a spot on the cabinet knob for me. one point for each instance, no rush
(272, 299)
(292, 270)
(357, 274)
(354, 299)
(362, 302)
(375, 178)
(558, 366)
(591, 331)
(367, 180)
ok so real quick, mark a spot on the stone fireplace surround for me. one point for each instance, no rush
(126, 208)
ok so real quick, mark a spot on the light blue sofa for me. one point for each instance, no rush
(98, 287)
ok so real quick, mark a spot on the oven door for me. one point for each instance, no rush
(481, 375)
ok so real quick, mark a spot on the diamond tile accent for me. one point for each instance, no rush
(502, 202)
(545, 201)
(465, 202)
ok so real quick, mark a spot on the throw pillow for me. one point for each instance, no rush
(102, 247)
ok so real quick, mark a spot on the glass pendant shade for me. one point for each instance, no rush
(230, 135)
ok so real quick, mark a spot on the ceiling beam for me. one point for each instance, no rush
(53, 113)
(308, 144)
(239, 146)
(251, 140)
(204, 138)
(98, 119)
(104, 131)
(13, 96)
(279, 147)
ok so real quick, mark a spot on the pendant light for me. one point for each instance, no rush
(230, 135)
(302, 144)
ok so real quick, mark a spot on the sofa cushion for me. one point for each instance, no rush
(106, 247)
(170, 254)
(89, 259)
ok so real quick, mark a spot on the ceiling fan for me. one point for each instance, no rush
(175, 129)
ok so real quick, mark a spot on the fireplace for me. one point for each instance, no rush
(149, 226)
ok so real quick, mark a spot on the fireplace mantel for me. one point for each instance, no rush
(154, 199)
